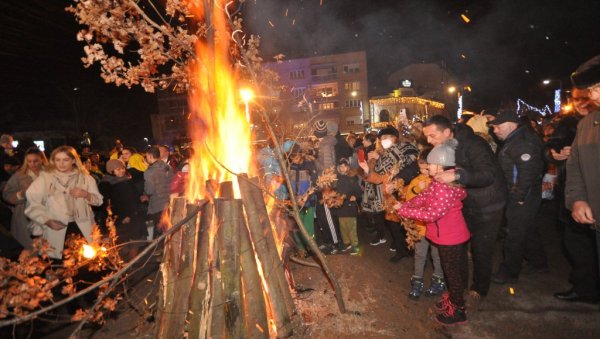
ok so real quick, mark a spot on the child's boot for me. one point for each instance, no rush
(416, 289)
(452, 315)
(438, 285)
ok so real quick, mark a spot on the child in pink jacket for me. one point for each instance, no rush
(439, 206)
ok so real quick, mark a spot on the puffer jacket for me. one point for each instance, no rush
(348, 185)
(414, 189)
(302, 177)
(522, 161)
(439, 206)
(326, 157)
(157, 184)
(479, 172)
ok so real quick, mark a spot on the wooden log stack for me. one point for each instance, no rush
(222, 275)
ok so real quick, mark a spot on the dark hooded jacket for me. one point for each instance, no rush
(479, 171)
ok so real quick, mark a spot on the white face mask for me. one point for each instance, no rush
(387, 143)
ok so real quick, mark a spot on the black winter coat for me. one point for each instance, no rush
(348, 185)
(479, 171)
(124, 198)
(522, 161)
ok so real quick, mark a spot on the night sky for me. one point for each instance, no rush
(509, 47)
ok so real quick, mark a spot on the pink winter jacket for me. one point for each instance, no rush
(440, 207)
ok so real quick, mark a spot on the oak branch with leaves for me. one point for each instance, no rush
(148, 43)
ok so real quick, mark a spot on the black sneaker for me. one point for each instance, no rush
(530, 269)
(452, 315)
(501, 278)
(398, 257)
(378, 242)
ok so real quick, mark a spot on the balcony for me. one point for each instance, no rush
(324, 77)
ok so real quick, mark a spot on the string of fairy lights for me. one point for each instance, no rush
(522, 106)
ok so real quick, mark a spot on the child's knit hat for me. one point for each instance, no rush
(443, 154)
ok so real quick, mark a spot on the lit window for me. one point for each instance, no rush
(352, 86)
(353, 103)
(351, 68)
(297, 74)
(298, 91)
(327, 105)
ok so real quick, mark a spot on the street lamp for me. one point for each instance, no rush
(247, 95)
(451, 89)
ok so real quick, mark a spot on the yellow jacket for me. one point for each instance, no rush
(413, 189)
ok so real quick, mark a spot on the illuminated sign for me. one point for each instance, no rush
(557, 100)
(406, 83)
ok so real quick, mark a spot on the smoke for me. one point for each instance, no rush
(502, 53)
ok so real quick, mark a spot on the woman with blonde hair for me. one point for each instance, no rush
(14, 193)
(58, 201)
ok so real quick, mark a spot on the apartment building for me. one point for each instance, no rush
(328, 87)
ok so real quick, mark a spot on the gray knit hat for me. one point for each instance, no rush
(443, 154)
(113, 164)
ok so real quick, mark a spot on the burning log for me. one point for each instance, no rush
(258, 203)
(280, 298)
(177, 269)
(255, 313)
(199, 315)
(230, 219)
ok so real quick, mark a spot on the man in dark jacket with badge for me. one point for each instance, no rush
(478, 171)
(522, 161)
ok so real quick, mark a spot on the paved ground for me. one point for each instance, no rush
(377, 289)
(375, 292)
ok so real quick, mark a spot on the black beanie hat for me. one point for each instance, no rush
(588, 74)
(389, 130)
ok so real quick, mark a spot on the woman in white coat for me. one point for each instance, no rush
(14, 193)
(58, 201)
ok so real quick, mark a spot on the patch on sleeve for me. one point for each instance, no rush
(525, 156)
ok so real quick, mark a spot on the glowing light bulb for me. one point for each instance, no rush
(88, 251)
(246, 94)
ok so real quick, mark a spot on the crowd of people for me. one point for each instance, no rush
(71, 192)
(429, 189)
(458, 187)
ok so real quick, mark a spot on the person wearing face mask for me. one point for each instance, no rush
(397, 160)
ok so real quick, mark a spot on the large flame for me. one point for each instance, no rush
(219, 125)
(219, 128)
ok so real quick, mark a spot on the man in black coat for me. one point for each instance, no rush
(579, 240)
(478, 171)
(522, 161)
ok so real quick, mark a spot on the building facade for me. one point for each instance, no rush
(329, 87)
(395, 109)
(171, 121)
